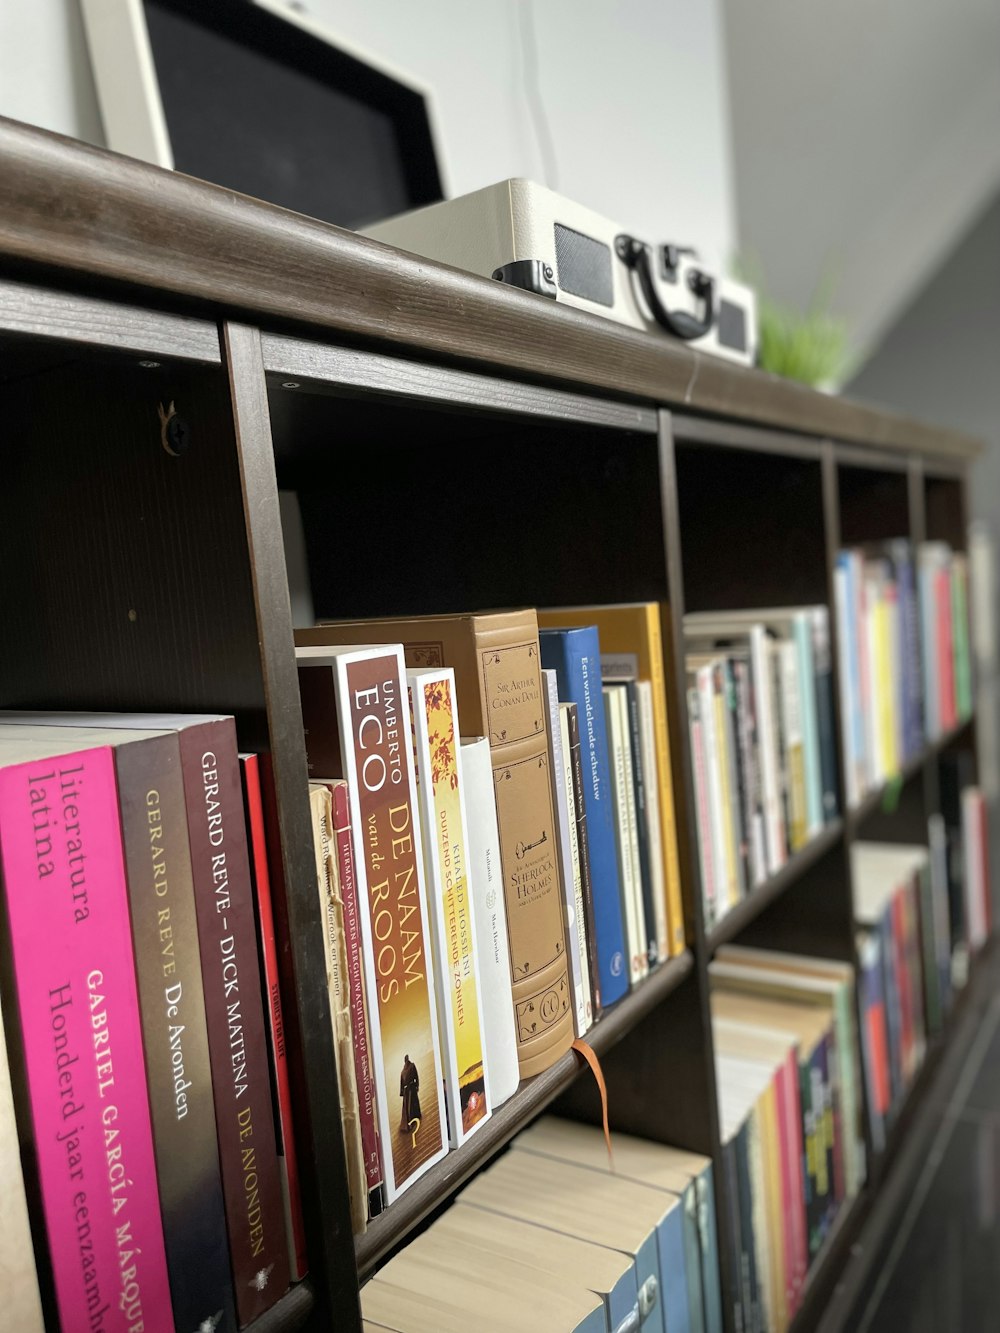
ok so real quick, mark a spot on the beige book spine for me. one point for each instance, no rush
(338, 991)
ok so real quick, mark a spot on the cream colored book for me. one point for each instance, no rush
(459, 1280)
(338, 994)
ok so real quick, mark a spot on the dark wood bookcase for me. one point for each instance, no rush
(453, 444)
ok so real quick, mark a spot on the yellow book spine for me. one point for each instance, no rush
(887, 688)
(798, 832)
(668, 818)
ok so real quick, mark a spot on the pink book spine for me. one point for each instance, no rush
(64, 874)
(945, 649)
(788, 1236)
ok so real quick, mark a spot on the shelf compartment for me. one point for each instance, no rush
(871, 801)
(758, 900)
(531, 1098)
(906, 1143)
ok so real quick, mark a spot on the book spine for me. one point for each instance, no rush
(175, 1036)
(708, 1225)
(704, 817)
(654, 825)
(850, 703)
(928, 644)
(739, 777)
(639, 808)
(716, 812)
(377, 754)
(284, 1123)
(794, 745)
(575, 655)
(630, 892)
(823, 684)
(806, 671)
(583, 841)
(491, 920)
(22, 1301)
(557, 769)
(436, 761)
(945, 649)
(660, 694)
(360, 1032)
(753, 827)
(70, 938)
(740, 1289)
(234, 1008)
(748, 1231)
(727, 793)
(338, 995)
(576, 873)
(767, 730)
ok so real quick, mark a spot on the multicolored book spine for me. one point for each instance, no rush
(70, 936)
(437, 762)
(360, 1032)
(354, 706)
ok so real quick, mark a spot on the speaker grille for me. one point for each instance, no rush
(584, 266)
(732, 330)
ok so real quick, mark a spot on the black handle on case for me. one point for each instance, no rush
(635, 255)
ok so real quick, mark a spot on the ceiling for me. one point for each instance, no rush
(866, 142)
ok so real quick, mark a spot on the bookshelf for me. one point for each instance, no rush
(306, 358)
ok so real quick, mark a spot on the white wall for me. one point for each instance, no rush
(634, 92)
(865, 141)
(45, 74)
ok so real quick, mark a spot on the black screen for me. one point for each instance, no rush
(256, 104)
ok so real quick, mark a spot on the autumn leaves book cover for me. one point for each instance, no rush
(445, 840)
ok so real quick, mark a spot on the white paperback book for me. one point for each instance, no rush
(577, 961)
(486, 880)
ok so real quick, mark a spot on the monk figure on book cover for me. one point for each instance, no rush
(409, 1088)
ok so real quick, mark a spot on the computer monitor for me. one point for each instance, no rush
(253, 96)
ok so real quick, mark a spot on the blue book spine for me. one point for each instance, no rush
(575, 656)
(674, 1276)
(692, 1260)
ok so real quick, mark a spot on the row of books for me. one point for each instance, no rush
(921, 911)
(554, 1236)
(485, 898)
(143, 1019)
(760, 717)
(905, 662)
(789, 1088)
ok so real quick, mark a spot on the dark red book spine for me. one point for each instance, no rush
(284, 1124)
(360, 1031)
(235, 1011)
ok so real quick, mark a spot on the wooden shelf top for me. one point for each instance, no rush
(94, 217)
(530, 1100)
